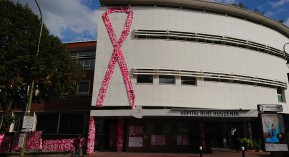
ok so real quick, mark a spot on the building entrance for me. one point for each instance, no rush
(219, 134)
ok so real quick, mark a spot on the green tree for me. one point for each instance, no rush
(52, 69)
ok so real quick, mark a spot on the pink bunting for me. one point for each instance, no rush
(117, 55)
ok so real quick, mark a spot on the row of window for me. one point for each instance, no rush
(55, 123)
(85, 58)
(167, 79)
(167, 128)
(187, 80)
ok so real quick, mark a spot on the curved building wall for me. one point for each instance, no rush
(195, 56)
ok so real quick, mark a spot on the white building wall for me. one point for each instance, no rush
(173, 54)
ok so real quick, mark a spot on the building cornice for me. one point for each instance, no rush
(229, 10)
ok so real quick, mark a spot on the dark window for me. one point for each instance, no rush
(145, 79)
(187, 80)
(281, 95)
(47, 123)
(61, 123)
(167, 79)
(71, 124)
(166, 128)
(83, 87)
(150, 128)
(18, 121)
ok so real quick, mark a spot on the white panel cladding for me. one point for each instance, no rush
(192, 56)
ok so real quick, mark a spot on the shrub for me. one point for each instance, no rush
(247, 143)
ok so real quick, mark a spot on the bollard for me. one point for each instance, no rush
(243, 151)
(201, 151)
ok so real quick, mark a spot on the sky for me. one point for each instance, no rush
(76, 20)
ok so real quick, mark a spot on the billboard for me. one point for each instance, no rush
(274, 132)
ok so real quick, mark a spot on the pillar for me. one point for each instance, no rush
(91, 136)
(120, 134)
(202, 134)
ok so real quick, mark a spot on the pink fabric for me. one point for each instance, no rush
(120, 135)
(91, 136)
(58, 145)
(117, 55)
(1, 138)
(5, 143)
(33, 141)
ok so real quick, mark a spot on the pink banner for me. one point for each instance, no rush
(117, 55)
(91, 136)
(33, 141)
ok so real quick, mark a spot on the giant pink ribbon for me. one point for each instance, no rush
(117, 55)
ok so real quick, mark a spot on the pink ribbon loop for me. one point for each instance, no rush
(117, 55)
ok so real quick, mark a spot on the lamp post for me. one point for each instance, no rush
(27, 112)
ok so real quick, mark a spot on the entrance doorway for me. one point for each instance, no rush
(219, 134)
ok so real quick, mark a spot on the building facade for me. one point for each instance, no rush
(63, 118)
(198, 69)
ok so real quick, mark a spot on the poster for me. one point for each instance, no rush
(136, 131)
(158, 139)
(135, 141)
(274, 132)
(135, 136)
(183, 140)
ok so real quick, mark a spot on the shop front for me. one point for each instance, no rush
(173, 130)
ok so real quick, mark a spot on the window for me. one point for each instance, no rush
(71, 124)
(144, 79)
(187, 80)
(281, 95)
(86, 59)
(83, 87)
(167, 79)
(47, 123)
(166, 128)
(17, 125)
(87, 64)
(58, 123)
(150, 128)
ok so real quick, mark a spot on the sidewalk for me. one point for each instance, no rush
(217, 152)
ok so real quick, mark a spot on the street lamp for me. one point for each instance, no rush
(284, 49)
(27, 112)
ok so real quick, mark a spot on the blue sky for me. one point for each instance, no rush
(76, 20)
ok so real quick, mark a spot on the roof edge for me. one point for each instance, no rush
(210, 6)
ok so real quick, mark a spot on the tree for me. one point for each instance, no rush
(52, 69)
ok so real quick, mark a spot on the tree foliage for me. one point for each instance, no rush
(52, 69)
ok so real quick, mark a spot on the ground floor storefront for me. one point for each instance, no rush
(185, 132)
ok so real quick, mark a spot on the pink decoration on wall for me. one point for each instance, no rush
(91, 136)
(58, 145)
(1, 138)
(117, 55)
(33, 141)
(5, 143)
(120, 134)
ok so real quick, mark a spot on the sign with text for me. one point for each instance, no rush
(28, 122)
(210, 113)
(270, 108)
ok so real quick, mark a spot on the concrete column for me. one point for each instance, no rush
(91, 136)
(120, 134)
(202, 134)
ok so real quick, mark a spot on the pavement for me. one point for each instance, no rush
(217, 152)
